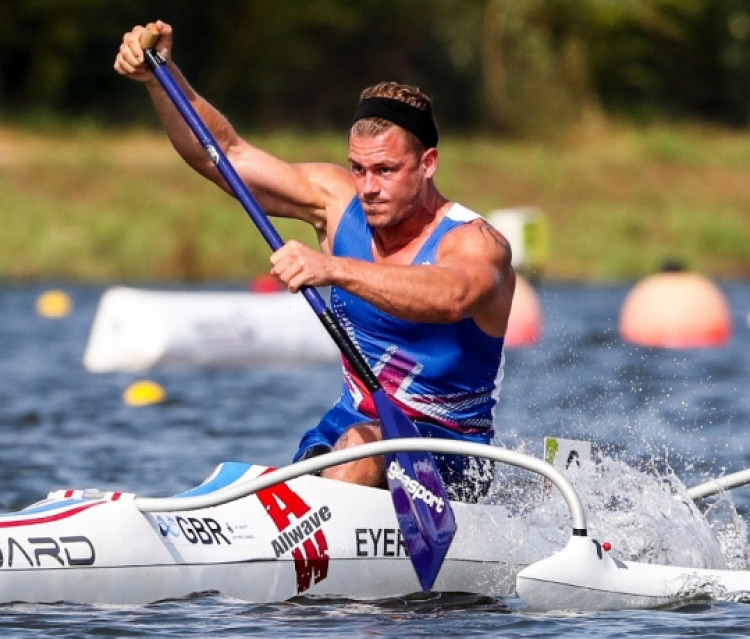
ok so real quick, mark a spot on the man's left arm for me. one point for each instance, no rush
(471, 272)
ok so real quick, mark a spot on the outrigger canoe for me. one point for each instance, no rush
(261, 534)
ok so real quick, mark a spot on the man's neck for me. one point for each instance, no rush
(400, 243)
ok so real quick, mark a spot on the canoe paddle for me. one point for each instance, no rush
(421, 502)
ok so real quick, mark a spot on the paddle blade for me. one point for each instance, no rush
(419, 497)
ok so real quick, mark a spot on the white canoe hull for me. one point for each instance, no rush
(301, 537)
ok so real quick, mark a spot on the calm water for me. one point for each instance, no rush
(650, 414)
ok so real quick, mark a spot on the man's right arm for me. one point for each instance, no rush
(308, 192)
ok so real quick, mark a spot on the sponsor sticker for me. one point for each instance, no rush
(300, 533)
(415, 489)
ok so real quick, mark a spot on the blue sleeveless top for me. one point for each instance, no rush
(445, 374)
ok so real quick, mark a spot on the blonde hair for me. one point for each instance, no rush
(408, 94)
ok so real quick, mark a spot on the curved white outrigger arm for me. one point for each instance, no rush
(237, 491)
(713, 486)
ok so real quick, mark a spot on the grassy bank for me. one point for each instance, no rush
(93, 205)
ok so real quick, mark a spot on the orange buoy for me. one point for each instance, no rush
(525, 321)
(676, 309)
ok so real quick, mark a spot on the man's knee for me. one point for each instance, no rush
(368, 471)
(357, 434)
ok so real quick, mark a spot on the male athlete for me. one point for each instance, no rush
(421, 284)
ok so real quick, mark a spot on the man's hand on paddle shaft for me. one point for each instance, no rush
(130, 60)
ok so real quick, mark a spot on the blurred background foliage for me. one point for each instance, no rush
(624, 121)
(513, 67)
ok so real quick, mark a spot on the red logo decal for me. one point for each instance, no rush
(300, 532)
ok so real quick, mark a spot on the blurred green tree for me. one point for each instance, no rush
(515, 67)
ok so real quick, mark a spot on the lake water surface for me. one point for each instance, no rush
(652, 415)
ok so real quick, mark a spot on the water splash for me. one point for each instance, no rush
(644, 513)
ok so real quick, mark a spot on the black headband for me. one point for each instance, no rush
(417, 121)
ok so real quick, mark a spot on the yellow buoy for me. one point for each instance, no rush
(54, 303)
(143, 393)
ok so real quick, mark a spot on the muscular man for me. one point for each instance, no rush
(421, 284)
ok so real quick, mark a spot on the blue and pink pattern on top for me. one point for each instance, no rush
(444, 374)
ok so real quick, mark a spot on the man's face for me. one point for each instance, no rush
(388, 175)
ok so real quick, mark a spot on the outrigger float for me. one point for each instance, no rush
(260, 534)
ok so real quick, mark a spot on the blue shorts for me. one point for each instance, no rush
(466, 478)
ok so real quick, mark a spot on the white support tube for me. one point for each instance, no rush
(503, 455)
(713, 486)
